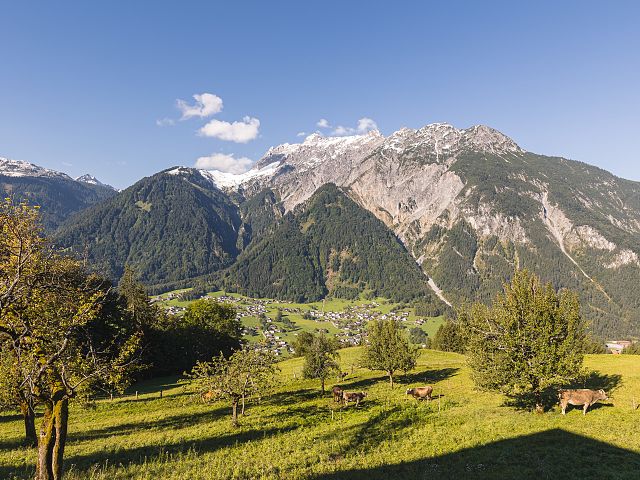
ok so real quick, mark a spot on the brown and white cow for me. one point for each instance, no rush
(421, 392)
(580, 396)
(209, 396)
(337, 393)
(353, 397)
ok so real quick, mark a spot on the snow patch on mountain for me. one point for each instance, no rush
(91, 180)
(225, 180)
(20, 168)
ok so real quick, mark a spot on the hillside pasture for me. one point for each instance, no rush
(294, 433)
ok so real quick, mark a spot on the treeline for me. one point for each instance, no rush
(471, 268)
(174, 344)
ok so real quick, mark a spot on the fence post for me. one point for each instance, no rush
(136, 394)
(160, 393)
(111, 396)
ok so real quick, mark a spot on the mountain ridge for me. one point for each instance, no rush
(468, 205)
(58, 195)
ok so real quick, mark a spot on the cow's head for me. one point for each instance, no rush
(603, 395)
(364, 394)
(410, 391)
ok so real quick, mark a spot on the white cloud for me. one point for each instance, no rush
(323, 123)
(301, 134)
(206, 104)
(239, 132)
(165, 122)
(224, 163)
(365, 125)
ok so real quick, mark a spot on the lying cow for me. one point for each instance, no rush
(581, 396)
(337, 393)
(421, 392)
(353, 397)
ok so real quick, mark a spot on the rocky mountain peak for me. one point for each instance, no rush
(485, 138)
(20, 168)
(91, 180)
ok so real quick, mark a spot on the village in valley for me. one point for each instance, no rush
(273, 325)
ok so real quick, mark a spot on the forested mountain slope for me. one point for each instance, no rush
(57, 194)
(470, 206)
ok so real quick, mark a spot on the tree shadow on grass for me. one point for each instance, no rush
(546, 455)
(172, 422)
(12, 444)
(596, 381)
(426, 377)
(593, 380)
(380, 427)
(291, 397)
(142, 454)
(8, 417)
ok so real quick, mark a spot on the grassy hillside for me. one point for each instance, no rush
(295, 433)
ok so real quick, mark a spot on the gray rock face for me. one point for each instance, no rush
(404, 179)
(471, 206)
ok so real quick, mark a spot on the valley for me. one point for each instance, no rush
(275, 324)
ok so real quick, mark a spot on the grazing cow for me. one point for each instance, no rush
(209, 395)
(342, 376)
(337, 393)
(421, 392)
(581, 396)
(353, 397)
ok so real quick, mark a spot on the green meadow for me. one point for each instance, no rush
(296, 433)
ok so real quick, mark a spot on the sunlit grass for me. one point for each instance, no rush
(296, 433)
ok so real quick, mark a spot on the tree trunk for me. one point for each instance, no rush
(242, 409)
(322, 385)
(235, 412)
(539, 405)
(29, 416)
(390, 378)
(53, 436)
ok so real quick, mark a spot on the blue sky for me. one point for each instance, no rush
(83, 85)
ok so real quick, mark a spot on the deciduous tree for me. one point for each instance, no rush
(52, 329)
(530, 339)
(389, 349)
(244, 374)
(321, 358)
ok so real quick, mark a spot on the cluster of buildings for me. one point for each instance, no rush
(617, 346)
(351, 322)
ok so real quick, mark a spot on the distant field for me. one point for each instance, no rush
(296, 434)
(330, 305)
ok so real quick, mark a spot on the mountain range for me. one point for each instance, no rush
(58, 195)
(437, 216)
